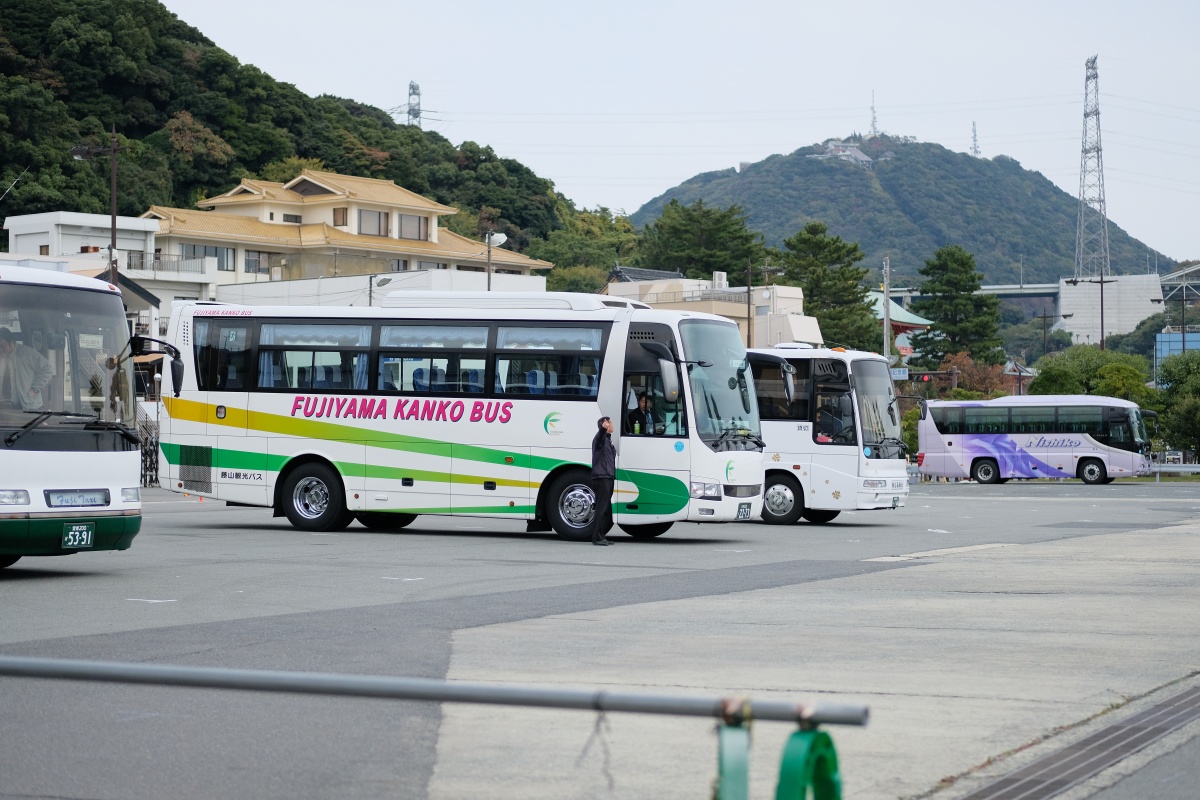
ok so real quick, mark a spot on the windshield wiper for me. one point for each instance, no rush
(41, 417)
(731, 434)
(129, 433)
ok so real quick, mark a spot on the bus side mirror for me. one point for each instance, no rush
(924, 409)
(176, 374)
(137, 346)
(670, 380)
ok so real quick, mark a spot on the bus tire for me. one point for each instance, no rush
(385, 520)
(569, 506)
(985, 470)
(1092, 472)
(820, 516)
(314, 500)
(647, 531)
(783, 500)
(8, 561)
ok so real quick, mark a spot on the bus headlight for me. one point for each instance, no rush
(702, 490)
(133, 495)
(874, 484)
(14, 497)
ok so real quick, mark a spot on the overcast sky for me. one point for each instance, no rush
(618, 101)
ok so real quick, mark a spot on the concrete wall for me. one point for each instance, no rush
(1128, 300)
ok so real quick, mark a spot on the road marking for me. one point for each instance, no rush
(943, 552)
(733, 551)
(936, 530)
(387, 578)
(143, 600)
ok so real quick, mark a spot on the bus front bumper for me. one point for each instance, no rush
(33, 534)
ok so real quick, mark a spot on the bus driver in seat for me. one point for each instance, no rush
(641, 420)
(24, 373)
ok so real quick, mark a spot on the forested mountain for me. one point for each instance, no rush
(192, 121)
(914, 199)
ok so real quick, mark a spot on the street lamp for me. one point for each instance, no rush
(497, 239)
(85, 152)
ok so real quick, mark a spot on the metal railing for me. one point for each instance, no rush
(163, 262)
(809, 759)
(714, 295)
(1177, 469)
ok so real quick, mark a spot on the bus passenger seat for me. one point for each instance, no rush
(419, 382)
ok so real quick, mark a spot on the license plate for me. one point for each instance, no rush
(83, 497)
(743, 511)
(78, 534)
(895, 502)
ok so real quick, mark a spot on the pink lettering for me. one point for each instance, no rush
(366, 408)
(341, 403)
(310, 406)
(429, 409)
(414, 410)
(492, 410)
(297, 403)
(400, 404)
(324, 407)
(441, 410)
(456, 410)
(477, 411)
(380, 410)
(506, 412)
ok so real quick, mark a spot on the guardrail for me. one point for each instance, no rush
(1179, 469)
(809, 761)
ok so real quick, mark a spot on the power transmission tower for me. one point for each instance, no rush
(874, 125)
(1091, 240)
(974, 141)
(414, 104)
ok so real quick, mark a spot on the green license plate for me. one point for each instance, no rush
(77, 535)
(743, 511)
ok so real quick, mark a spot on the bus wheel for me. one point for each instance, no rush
(8, 561)
(385, 520)
(783, 500)
(647, 531)
(1092, 472)
(985, 470)
(569, 503)
(313, 499)
(820, 516)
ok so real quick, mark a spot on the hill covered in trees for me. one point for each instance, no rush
(192, 121)
(914, 199)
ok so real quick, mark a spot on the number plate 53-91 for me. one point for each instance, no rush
(77, 535)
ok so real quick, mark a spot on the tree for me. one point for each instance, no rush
(698, 240)
(589, 280)
(595, 239)
(962, 320)
(1086, 361)
(288, 168)
(1139, 341)
(825, 267)
(1116, 379)
(987, 379)
(1179, 376)
(1056, 378)
(1181, 424)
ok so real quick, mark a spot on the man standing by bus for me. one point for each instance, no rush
(604, 476)
(24, 373)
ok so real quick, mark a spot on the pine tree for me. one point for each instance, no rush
(698, 240)
(825, 268)
(963, 321)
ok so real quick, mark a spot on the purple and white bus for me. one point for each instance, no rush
(1095, 439)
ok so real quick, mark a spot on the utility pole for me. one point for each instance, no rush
(749, 306)
(887, 312)
(1045, 318)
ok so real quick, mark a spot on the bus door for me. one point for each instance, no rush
(1081, 426)
(239, 463)
(944, 447)
(834, 480)
(653, 442)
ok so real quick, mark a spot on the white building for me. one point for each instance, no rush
(1128, 299)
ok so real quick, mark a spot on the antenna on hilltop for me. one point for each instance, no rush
(1091, 240)
(412, 109)
(974, 140)
(874, 126)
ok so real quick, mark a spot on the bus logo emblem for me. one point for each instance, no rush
(729, 471)
(550, 423)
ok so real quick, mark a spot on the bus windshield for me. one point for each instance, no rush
(723, 392)
(1140, 436)
(73, 351)
(877, 409)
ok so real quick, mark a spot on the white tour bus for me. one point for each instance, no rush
(70, 465)
(1095, 439)
(463, 403)
(836, 445)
